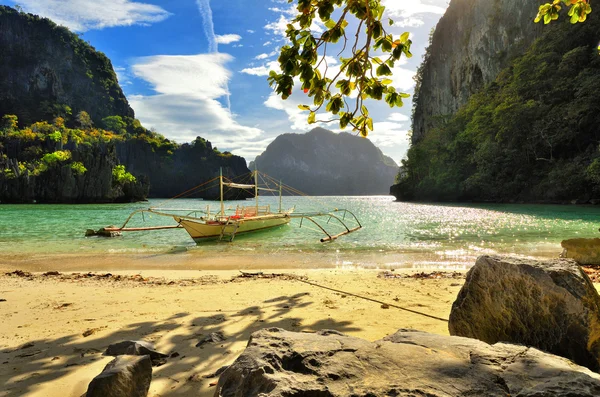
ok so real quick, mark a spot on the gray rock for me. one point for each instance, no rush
(213, 337)
(552, 306)
(125, 376)
(585, 251)
(280, 363)
(136, 348)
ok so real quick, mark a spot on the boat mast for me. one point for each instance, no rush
(256, 187)
(280, 196)
(221, 187)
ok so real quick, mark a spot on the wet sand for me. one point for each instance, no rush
(43, 350)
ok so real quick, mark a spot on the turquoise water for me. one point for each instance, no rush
(393, 234)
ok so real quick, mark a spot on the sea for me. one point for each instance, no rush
(393, 235)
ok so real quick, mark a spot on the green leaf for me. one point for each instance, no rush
(303, 107)
(312, 117)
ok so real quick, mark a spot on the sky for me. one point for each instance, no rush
(199, 67)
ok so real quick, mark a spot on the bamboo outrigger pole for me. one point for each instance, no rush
(256, 187)
(221, 187)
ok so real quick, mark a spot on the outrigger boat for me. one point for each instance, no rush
(202, 225)
(245, 219)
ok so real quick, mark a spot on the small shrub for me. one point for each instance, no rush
(121, 176)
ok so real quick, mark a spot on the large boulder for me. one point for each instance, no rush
(585, 251)
(280, 363)
(125, 376)
(552, 306)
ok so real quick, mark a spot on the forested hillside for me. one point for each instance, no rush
(68, 134)
(533, 134)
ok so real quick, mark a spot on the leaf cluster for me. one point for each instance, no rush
(578, 11)
(363, 73)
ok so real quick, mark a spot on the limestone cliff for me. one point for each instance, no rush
(321, 162)
(48, 75)
(471, 44)
(43, 64)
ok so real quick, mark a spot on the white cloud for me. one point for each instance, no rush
(83, 15)
(186, 103)
(408, 14)
(262, 70)
(261, 56)
(227, 38)
(250, 31)
(398, 117)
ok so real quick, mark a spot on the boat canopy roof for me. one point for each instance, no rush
(238, 185)
(242, 186)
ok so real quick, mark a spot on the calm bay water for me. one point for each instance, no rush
(394, 234)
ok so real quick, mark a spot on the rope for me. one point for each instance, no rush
(369, 299)
(297, 278)
(187, 192)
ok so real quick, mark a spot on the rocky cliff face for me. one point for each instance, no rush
(187, 167)
(321, 162)
(471, 44)
(44, 64)
(47, 71)
(60, 183)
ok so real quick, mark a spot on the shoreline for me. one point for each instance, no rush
(182, 258)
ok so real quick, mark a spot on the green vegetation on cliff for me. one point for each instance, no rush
(531, 135)
(47, 72)
(49, 162)
(68, 134)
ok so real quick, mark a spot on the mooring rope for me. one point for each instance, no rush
(297, 278)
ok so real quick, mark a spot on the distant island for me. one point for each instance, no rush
(68, 134)
(323, 163)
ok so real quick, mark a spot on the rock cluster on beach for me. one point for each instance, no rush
(526, 329)
(280, 363)
(551, 305)
(130, 373)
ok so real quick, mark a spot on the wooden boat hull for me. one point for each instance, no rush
(201, 231)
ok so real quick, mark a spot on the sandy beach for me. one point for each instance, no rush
(54, 328)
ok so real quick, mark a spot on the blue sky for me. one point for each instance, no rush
(198, 67)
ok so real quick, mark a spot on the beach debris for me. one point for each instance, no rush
(280, 363)
(124, 376)
(593, 272)
(385, 306)
(174, 355)
(52, 273)
(261, 275)
(213, 337)
(216, 373)
(103, 232)
(2, 300)
(63, 305)
(29, 354)
(109, 277)
(92, 331)
(19, 273)
(552, 306)
(137, 348)
(25, 346)
(422, 275)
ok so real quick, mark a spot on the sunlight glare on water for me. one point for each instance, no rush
(393, 233)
